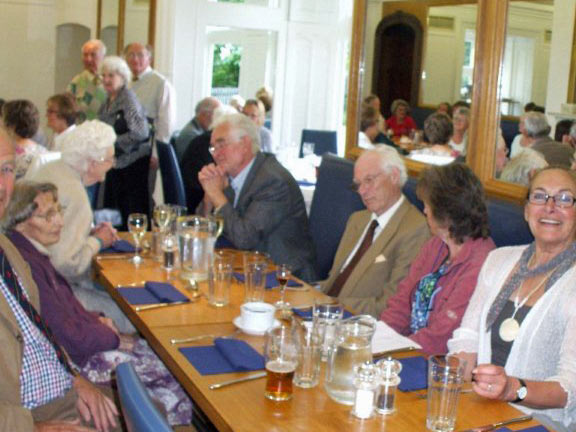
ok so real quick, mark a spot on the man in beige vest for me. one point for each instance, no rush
(379, 243)
(39, 391)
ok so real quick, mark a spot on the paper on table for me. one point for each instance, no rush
(387, 339)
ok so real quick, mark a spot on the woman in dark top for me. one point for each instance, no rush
(126, 185)
(33, 221)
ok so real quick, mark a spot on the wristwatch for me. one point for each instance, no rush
(521, 392)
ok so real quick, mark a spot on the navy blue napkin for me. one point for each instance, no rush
(530, 429)
(120, 246)
(306, 313)
(271, 281)
(414, 374)
(152, 293)
(306, 183)
(225, 356)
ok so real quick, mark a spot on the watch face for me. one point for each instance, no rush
(522, 392)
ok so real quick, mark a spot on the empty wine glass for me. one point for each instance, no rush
(137, 225)
(283, 274)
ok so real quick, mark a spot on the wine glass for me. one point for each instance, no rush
(137, 225)
(283, 274)
(163, 215)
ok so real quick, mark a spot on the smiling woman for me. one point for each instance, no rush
(521, 321)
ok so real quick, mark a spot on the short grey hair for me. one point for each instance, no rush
(117, 65)
(208, 104)
(22, 205)
(438, 128)
(399, 102)
(520, 168)
(536, 124)
(86, 142)
(98, 43)
(240, 126)
(390, 159)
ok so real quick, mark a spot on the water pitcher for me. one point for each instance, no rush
(196, 240)
(351, 347)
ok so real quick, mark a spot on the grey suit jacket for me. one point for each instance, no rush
(384, 265)
(270, 216)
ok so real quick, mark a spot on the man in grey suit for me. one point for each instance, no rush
(260, 201)
(379, 243)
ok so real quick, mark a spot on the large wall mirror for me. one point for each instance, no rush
(492, 53)
(120, 22)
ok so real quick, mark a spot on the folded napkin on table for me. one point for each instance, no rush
(271, 281)
(414, 374)
(306, 183)
(152, 293)
(530, 429)
(306, 313)
(225, 356)
(120, 246)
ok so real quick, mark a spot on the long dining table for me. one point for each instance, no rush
(243, 407)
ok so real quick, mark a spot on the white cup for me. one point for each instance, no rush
(257, 316)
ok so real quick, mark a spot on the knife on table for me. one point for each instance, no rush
(236, 381)
(159, 305)
(492, 426)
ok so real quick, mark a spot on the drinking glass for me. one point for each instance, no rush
(163, 216)
(327, 314)
(283, 274)
(137, 225)
(307, 373)
(220, 278)
(281, 356)
(445, 377)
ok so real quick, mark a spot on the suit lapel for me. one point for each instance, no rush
(258, 161)
(377, 248)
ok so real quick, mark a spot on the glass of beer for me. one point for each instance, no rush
(281, 354)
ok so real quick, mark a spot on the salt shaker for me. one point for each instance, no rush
(389, 379)
(169, 248)
(366, 383)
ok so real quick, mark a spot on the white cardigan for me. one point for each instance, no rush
(545, 348)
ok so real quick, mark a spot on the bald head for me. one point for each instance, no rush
(93, 52)
(6, 169)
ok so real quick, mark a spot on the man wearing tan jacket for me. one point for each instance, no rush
(379, 243)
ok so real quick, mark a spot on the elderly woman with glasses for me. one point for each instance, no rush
(430, 302)
(33, 222)
(126, 187)
(519, 332)
(87, 155)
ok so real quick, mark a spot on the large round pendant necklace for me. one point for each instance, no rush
(510, 327)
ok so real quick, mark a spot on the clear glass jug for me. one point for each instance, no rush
(351, 347)
(196, 240)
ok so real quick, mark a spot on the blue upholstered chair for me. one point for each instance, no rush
(140, 413)
(172, 183)
(332, 205)
(324, 141)
(507, 224)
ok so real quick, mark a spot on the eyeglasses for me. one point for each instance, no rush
(218, 147)
(51, 214)
(562, 200)
(52, 111)
(111, 160)
(368, 182)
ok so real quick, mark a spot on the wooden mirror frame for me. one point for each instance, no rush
(485, 118)
(122, 24)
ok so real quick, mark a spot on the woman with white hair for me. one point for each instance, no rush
(87, 155)
(126, 185)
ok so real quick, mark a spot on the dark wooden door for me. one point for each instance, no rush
(397, 60)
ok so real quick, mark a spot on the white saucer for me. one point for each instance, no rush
(238, 323)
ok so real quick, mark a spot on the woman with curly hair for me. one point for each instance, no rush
(430, 302)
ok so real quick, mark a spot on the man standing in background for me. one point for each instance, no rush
(87, 85)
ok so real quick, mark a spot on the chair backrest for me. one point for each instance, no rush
(140, 413)
(324, 141)
(332, 205)
(173, 185)
(507, 224)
